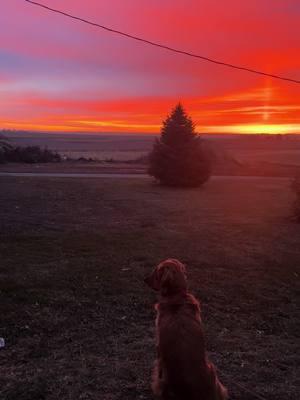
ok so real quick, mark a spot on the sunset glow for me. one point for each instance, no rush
(60, 75)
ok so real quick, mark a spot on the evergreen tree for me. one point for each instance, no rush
(178, 157)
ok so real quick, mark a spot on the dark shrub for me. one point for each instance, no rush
(2, 157)
(29, 154)
(33, 154)
(5, 148)
(178, 157)
(296, 189)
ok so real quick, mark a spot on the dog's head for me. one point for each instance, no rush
(169, 278)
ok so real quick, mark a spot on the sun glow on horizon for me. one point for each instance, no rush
(92, 126)
(268, 129)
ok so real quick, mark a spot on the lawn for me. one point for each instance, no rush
(76, 316)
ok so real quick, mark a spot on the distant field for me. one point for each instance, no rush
(99, 147)
(125, 147)
(273, 155)
(77, 317)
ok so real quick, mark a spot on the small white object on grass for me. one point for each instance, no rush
(2, 342)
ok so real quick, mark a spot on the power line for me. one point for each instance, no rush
(162, 46)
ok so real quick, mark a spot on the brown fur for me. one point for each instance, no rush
(182, 370)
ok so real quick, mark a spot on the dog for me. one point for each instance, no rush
(182, 370)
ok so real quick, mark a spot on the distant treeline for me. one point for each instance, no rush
(27, 154)
(225, 136)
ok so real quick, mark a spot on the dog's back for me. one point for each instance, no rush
(187, 373)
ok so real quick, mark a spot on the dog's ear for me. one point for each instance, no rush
(152, 281)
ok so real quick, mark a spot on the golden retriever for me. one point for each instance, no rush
(182, 370)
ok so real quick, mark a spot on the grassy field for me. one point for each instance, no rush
(78, 320)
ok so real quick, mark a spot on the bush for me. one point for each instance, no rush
(29, 154)
(178, 157)
(2, 157)
(296, 189)
(5, 147)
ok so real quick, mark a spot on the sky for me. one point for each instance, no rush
(60, 75)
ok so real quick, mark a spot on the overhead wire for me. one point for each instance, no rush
(163, 46)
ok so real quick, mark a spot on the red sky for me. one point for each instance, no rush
(59, 75)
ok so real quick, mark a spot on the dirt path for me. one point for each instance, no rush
(125, 175)
(72, 175)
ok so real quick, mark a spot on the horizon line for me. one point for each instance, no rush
(121, 133)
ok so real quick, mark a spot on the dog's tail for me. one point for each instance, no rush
(221, 393)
